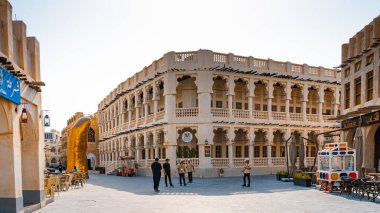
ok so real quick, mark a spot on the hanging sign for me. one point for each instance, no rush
(9, 86)
(187, 137)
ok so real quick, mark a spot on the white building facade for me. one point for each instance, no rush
(52, 148)
(217, 110)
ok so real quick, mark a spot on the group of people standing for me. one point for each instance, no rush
(188, 168)
(182, 169)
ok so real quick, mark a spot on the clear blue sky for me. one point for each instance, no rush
(89, 46)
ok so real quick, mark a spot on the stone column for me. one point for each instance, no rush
(204, 88)
(321, 95)
(269, 149)
(336, 101)
(251, 95)
(170, 142)
(155, 99)
(204, 131)
(305, 93)
(231, 138)
(230, 94)
(251, 143)
(288, 91)
(170, 83)
(270, 97)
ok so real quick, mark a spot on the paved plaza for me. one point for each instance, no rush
(135, 194)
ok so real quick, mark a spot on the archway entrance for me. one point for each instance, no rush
(91, 159)
(377, 150)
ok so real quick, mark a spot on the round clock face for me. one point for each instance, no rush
(187, 137)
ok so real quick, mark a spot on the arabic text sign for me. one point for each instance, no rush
(9, 86)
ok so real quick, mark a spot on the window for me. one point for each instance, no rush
(358, 66)
(358, 86)
(226, 153)
(369, 86)
(265, 151)
(282, 151)
(313, 111)
(291, 109)
(256, 151)
(282, 108)
(238, 105)
(219, 104)
(347, 72)
(257, 107)
(246, 106)
(218, 151)
(238, 151)
(312, 151)
(265, 107)
(273, 151)
(91, 135)
(179, 105)
(369, 59)
(347, 96)
(48, 136)
(307, 110)
(274, 108)
(246, 151)
(298, 109)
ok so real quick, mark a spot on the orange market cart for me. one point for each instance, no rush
(336, 162)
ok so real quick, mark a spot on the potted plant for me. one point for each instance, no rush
(281, 174)
(302, 180)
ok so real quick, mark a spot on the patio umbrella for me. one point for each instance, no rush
(302, 155)
(292, 155)
(358, 146)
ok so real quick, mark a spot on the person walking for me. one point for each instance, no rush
(190, 169)
(181, 172)
(167, 172)
(156, 171)
(247, 173)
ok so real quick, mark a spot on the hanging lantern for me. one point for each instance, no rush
(47, 121)
(24, 116)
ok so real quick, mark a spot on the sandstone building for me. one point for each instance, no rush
(217, 110)
(22, 158)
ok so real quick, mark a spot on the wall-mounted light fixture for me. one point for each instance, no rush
(206, 142)
(24, 115)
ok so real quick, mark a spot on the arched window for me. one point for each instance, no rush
(91, 135)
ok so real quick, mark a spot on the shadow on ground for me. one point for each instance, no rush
(207, 186)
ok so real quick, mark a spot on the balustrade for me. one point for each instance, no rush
(160, 115)
(194, 161)
(220, 162)
(185, 57)
(327, 117)
(238, 113)
(260, 161)
(220, 113)
(186, 112)
(296, 116)
(260, 114)
(313, 117)
(220, 58)
(279, 116)
(278, 161)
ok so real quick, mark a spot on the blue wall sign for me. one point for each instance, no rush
(9, 86)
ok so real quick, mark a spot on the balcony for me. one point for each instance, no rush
(312, 117)
(278, 161)
(219, 113)
(296, 116)
(186, 112)
(220, 162)
(281, 116)
(238, 113)
(260, 115)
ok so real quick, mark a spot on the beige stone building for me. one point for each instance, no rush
(217, 110)
(361, 93)
(52, 148)
(22, 158)
(92, 143)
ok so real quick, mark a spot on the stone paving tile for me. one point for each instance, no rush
(135, 194)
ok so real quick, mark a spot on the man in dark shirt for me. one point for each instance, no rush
(156, 170)
(167, 172)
